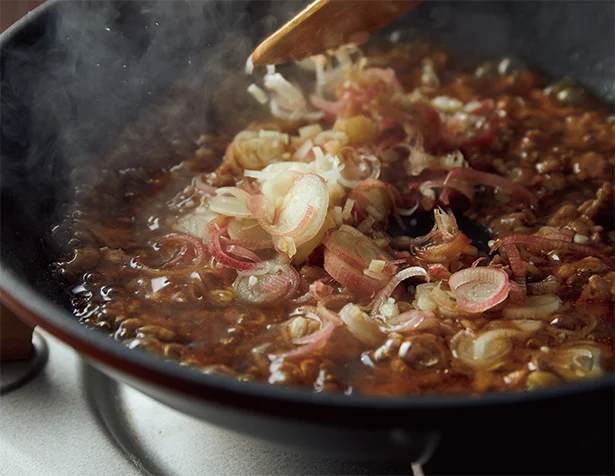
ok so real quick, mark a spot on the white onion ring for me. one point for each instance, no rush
(279, 283)
(479, 289)
(485, 351)
(535, 307)
(361, 325)
(390, 287)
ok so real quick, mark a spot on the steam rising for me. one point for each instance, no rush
(85, 69)
(98, 62)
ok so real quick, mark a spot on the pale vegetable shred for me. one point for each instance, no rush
(329, 248)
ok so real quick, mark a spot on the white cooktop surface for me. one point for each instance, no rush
(48, 429)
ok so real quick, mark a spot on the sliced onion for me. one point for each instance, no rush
(431, 297)
(255, 150)
(314, 336)
(306, 249)
(483, 178)
(321, 314)
(547, 244)
(430, 124)
(318, 339)
(516, 295)
(480, 107)
(350, 277)
(517, 266)
(438, 180)
(242, 252)
(216, 250)
(528, 326)
(278, 284)
(230, 201)
(559, 236)
(360, 96)
(361, 325)
(485, 351)
(483, 345)
(409, 321)
(541, 379)
(302, 152)
(445, 302)
(576, 360)
(197, 182)
(327, 315)
(357, 162)
(375, 194)
(287, 98)
(366, 226)
(354, 248)
(407, 212)
(438, 272)
(251, 244)
(446, 223)
(444, 252)
(461, 186)
(302, 214)
(248, 230)
(479, 289)
(275, 188)
(555, 233)
(407, 242)
(334, 109)
(535, 307)
(418, 161)
(319, 290)
(549, 285)
(478, 261)
(386, 292)
(573, 326)
(423, 299)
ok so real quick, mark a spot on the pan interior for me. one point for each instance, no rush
(77, 74)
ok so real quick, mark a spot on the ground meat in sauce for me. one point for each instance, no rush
(128, 276)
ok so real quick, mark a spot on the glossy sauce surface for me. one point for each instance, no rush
(113, 254)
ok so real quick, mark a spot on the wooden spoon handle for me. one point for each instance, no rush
(328, 24)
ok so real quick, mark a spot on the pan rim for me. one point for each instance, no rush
(58, 320)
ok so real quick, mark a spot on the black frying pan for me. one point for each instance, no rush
(74, 73)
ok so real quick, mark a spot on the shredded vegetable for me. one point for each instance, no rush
(348, 238)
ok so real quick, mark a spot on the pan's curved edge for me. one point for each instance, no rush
(262, 399)
(8, 34)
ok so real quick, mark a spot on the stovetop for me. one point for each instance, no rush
(69, 419)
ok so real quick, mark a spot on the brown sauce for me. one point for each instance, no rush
(551, 142)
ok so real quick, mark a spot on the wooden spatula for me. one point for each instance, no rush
(328, 24)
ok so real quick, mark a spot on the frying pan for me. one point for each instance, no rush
(73, 74)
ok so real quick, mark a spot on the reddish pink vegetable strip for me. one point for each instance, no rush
(409, 321)
(317, 340)
(517, 266)
(516, 294)
(483, 178)
(547, 244)
(351, 278)
(215, 248)
(393, 283)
